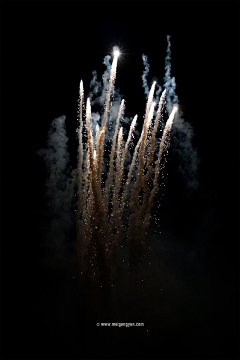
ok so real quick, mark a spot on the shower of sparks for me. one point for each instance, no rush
(111, 212)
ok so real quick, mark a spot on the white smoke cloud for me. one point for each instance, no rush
(95, 120)
(100, 86)
(95, 116)
(188, 159)
(59, 186)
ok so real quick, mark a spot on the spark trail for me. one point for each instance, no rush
(103, 212)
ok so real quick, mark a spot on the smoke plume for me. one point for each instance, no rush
(59, 187)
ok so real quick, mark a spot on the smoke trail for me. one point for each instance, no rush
(182, 131)
(97, 86)
(144, 79)
(170, 84)
(60, 186)
(158, 92)
(145, 74)
(94, 85)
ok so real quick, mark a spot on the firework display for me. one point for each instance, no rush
(117, 208)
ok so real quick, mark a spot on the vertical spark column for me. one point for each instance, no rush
(80, 151)
(149, 167)
(105, 116)
(139, 173)
(125, 187)
(163, 144)
(82, 232)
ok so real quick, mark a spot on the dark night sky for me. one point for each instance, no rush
(46, 48)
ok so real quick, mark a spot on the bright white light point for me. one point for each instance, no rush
(116, 51)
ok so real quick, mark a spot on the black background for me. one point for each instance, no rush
(46, 48)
